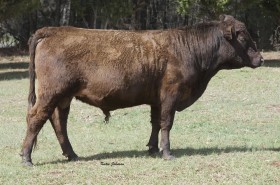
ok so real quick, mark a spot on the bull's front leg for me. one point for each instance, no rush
(169, 94)
(167, 117)
(168, 98)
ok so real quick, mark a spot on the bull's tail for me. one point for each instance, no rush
(33, 41)
(32, 96)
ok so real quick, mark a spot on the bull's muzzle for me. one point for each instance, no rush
(262, 61)
(257, 62)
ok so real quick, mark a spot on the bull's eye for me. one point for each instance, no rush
(242, 39)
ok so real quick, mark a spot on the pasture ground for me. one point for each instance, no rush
(231, 135)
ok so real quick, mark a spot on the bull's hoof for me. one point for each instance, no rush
(153, 150)
(168, 157)
(73, 158)
(26, 163)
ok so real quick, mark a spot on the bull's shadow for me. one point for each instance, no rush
(14, 65)
(15, 74)
(176, 152)
(272, 63)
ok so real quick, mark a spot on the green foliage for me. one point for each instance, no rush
(105, 9)
(14, 8)
(214, 6)
(7, 40)
(28, 15)
(272, 6)
(183, 6)
(115, 9)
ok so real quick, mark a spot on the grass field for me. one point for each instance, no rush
(229, 136)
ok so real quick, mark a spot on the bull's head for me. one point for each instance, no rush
(240, 49)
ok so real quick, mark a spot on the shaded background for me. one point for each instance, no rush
(20, 18)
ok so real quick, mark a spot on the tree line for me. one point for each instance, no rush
(20, 18)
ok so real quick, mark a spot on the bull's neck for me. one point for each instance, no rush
(198, 49)
(202, 60)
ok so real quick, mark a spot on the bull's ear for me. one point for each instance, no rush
(222, 17)
(228, 26)
(229, 32)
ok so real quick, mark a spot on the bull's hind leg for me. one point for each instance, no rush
(107, 115)
(36, 118)
(155, 121)
(59, 123)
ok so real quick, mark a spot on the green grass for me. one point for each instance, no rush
(229, 136)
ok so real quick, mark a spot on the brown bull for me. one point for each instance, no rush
(166, 69)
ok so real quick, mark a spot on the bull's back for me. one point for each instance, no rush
(110, 68)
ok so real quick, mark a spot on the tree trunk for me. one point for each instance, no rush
(186, 20)
(140, 14)
(57, 14)
(33, 21)
(95, 18)
(143, 14)
(164, 19)
(65, 8)
(153, 16)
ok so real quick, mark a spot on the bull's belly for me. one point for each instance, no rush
(110, 104)
(113, 101)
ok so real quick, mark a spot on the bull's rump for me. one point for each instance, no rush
(108, 69)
